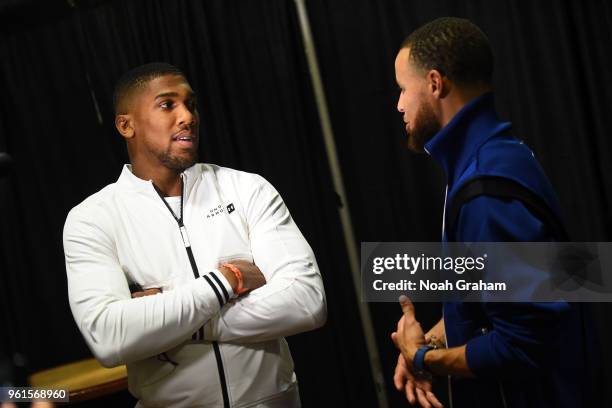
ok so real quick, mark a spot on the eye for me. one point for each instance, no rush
(192, 105)
(166, 105)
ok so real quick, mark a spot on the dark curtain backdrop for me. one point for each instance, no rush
(245, 59)
(553, 60)
(246, 62)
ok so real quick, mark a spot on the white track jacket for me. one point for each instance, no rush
(193, 345)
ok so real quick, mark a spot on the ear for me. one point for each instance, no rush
(125, 126)
(438, 85)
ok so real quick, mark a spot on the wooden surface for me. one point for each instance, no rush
(85, 379)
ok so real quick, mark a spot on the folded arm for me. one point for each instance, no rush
(117, 328)
(293, 298)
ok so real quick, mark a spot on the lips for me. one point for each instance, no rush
(184, 138)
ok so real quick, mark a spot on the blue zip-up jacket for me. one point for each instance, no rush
(522, 354)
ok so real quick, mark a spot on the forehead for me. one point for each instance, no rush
(166, 84)
(403, 68)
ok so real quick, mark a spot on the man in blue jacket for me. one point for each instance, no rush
(495, 354)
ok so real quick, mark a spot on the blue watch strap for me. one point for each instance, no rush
(419, 358)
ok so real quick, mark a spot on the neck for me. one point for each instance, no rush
(454, 146)
(458, 99)
(166, 180)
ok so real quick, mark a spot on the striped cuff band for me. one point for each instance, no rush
(220, 286)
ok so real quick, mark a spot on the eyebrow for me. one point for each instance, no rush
(191, 95)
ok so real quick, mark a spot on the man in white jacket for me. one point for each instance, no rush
(228, 271)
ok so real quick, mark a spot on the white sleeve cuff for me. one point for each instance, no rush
(220, 286)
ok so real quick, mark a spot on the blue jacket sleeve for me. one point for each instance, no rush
(521, 336)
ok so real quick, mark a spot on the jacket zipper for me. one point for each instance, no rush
(196, 274)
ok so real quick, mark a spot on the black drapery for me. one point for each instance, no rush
(550, 80)
(245, 60)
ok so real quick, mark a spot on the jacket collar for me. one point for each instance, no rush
(129, 182)
(455, 145)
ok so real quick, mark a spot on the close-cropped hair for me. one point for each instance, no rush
(455, 47)
(136, 78)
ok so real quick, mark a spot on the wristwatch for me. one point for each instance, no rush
(419, 360)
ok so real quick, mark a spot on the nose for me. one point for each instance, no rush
(187, 117)
(400, 107)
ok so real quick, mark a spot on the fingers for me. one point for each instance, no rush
(394, 338)
(410, 387)
(401, 374)
(401, 362)
(399, 377)
(415, 390)
(398, 381)
(422, 398)
(403, 380)
(407, 307)
(146, 292)
(431, 397)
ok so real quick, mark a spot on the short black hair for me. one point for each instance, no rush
(455, 47)
(137, 78)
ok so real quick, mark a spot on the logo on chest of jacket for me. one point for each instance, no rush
(220, 210)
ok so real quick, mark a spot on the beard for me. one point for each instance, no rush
(425, 126)
(176, 162)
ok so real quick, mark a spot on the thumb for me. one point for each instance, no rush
(407, 307)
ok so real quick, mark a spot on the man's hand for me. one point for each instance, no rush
(409, 335)
(146, 292)
(251, 275)
(415, 389)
